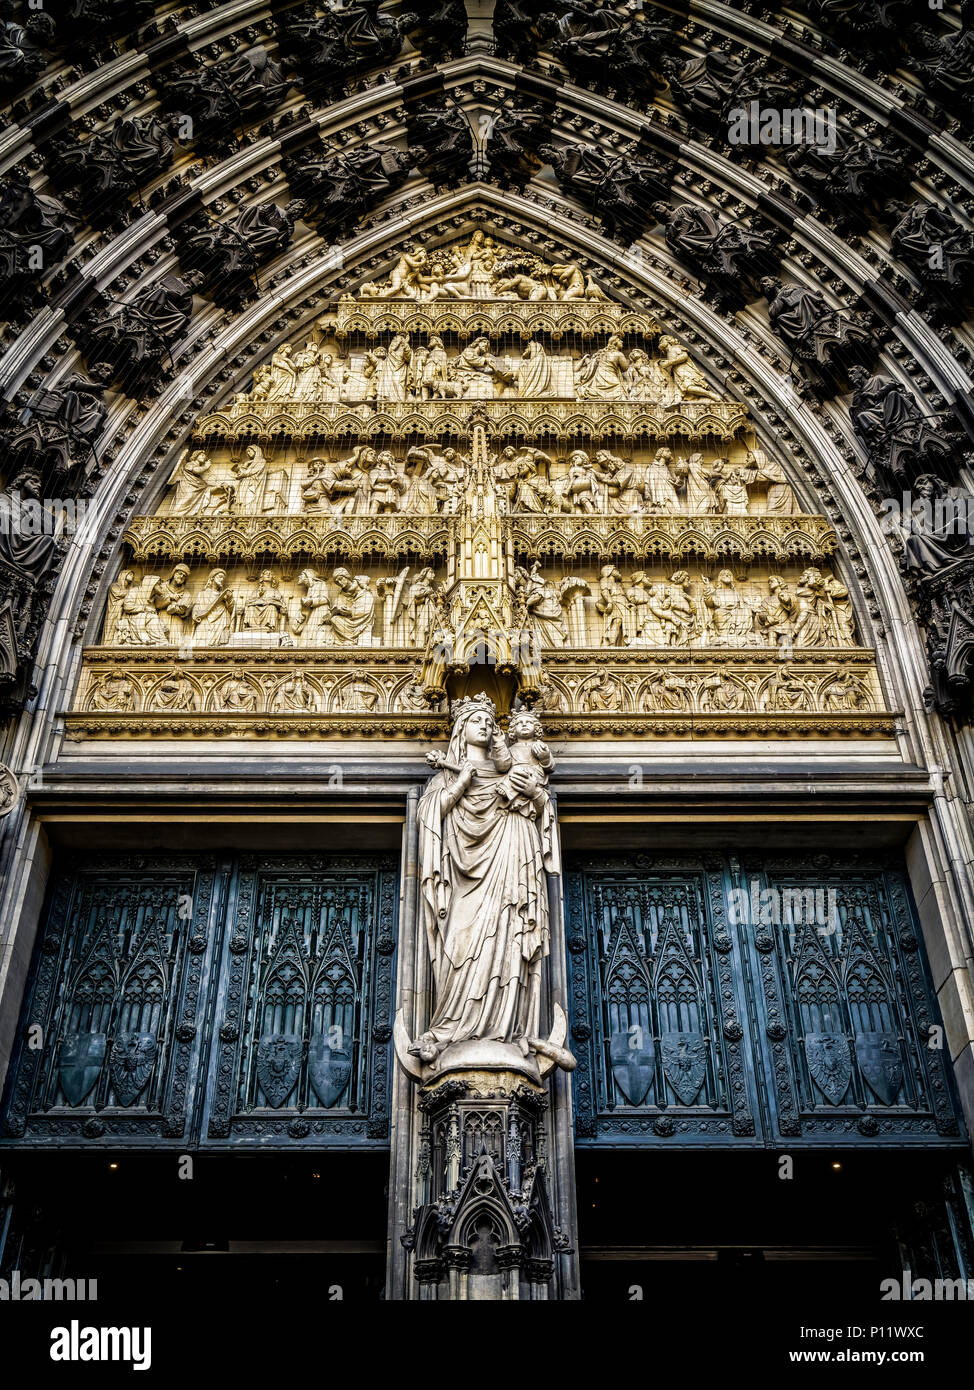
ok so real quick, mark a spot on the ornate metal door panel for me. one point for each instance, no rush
(657, 989)
(852, 1030)
(174, 1000)
(110, 1038)
(785, 1001)
(301, 1041)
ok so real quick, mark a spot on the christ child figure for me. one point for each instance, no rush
(527, 748)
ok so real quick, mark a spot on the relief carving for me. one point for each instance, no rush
(376, 517)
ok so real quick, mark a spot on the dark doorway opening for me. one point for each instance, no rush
(308, 1228)
(681, 1228)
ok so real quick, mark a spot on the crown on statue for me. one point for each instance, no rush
(470, 704)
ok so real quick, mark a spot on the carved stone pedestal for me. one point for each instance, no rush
(485, 1229)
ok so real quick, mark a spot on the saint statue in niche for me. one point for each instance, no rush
(487, 843)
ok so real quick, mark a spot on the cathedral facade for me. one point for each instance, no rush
(486, 647)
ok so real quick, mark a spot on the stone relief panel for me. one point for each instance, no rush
(424, 479)
(588, 606)
(480, 459)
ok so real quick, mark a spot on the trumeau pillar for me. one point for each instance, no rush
(482, 1199)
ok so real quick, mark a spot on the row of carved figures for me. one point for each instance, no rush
(427, 371)
(412, 608)
(786, 690)
(637, 612)
(373, 482)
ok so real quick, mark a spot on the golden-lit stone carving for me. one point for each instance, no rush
(480, 460)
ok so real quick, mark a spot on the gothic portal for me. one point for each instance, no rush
(485, 648)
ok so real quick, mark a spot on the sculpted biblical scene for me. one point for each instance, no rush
(480, 459)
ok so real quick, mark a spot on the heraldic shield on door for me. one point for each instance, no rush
(720, 1001)
(186, 999)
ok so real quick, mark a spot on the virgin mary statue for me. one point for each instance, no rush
(487, 839)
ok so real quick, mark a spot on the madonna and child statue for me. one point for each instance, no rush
(487, 846)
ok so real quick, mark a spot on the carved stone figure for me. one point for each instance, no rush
(945, 63)
(936, 530)
(849, 179)
(731, 489)
(685, 379)
(898, 436)
(781, 500)
(600, 44)
(342, 487)
(786, 691)
(227, 255)
(487, 842)
(440, 143)
(133, 341)
(476, 370)
(935, 246)
(173, 605)
(443, 27)
(622, 190)
(704, 87)
(719, 694)
(776, 615)
(513, 145)
(324, 620)
(189, 478)
(668, 693)
(237, 696)
(602, 695)
(431, 478)
(113, 163)
(256, 490)
(533, 375)
(864, 25)
(729, 256)
(60, 430)
(36, 232)
(543, 606)
(824, 612)
(845, 692)
(601, 375)
(612, 604)
(516, 28)
(816, 332)
(222, 97)
(213, 612)
(31, 551)
(728, 617)
(175, 695)
(23, 49)
(265, 610)
(112, 692)
(295, 696)
(307, 372)
(659, 488)
(333, 47)
(711, 88)
(343, 187)
(696, 480)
